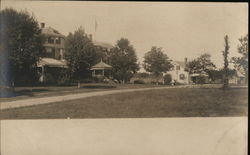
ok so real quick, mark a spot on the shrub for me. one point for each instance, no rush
(167, 79)
(88, 81)
(139, 82)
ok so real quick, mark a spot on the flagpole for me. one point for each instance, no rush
(95, 29)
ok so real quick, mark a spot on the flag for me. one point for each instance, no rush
(96, 25)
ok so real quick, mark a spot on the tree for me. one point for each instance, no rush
(123, 59)
(225, 69)
(80, 54)
(202, 64)
(156, 62)
(21, 46)
(241, 63)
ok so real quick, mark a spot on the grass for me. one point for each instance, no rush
(34, 92)
(184, 102)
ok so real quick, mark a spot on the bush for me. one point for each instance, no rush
(167, 79)
(139, 82)
(88, 81)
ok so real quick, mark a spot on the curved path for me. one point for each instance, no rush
(52, 99)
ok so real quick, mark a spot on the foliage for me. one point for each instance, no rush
(80, 54)
(241, 63)
(21, 47)
(202, 64)
(167, 79)
(218, 74)
(156, 62)
(123, 59)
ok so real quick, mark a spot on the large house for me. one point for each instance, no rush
(178, 73)
(53, 56)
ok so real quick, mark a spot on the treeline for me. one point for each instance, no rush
(21, 46)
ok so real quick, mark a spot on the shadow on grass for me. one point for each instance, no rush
(8, 93)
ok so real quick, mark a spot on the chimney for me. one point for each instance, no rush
(185, 62)
(42, 25)
(90, 37)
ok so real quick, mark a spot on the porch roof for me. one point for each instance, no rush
(52, 63)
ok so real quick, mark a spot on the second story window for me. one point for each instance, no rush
(58, 40)
(50, 40)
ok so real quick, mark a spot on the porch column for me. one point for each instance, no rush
(103, 72)
(42, 77)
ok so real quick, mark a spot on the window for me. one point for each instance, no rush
(182, 76)
(58, 40)
(50, 40)
(178, 67)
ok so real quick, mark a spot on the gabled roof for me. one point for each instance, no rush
(181, 63)
(52, 63)
(102, 44)
(52, 32)
(101, 65)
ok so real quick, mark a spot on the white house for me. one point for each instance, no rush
(178, 72)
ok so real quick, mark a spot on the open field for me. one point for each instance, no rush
(176, 102)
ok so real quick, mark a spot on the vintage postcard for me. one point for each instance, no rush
(123, 78)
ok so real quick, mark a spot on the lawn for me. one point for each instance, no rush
(184, 102)
(36, 92)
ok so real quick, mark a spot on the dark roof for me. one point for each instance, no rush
(52, 32)
(102, 44)
(101, 65)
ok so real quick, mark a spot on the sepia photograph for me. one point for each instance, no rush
(123, 78)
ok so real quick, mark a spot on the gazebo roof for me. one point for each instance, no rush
(101, 65)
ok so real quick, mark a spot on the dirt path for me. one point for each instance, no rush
(52, 99)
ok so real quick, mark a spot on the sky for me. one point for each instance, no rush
(182, 29)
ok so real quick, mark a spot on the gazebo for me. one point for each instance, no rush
(101, 69)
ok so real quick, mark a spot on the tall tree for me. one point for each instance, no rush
(123, 60)
(156, 62)
(80, 54)
(241, 63)
(21, 47)
(225, 55)
(202, 64)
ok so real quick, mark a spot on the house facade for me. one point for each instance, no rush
(178, 72)
(52, 62)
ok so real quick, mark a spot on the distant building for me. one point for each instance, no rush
(178, 72)
(238, 79)
(54, 54)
